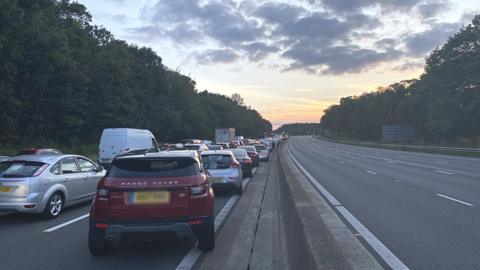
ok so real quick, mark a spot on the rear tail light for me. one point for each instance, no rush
(103, 194)
(235, 164)
(248, 161)
(198, 190)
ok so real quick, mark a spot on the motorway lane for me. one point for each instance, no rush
(26, 246)
(397, 201)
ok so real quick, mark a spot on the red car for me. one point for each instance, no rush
(152, 196)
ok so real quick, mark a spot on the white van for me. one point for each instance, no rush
(115, 141)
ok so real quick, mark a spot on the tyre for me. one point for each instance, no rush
(239, 189)
(97, 244)
(206, 239)
(250, 173)
(54, 206)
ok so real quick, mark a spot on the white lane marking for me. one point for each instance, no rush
(341, 162)
(444, 172)
(391, 162)
(387, 159)
(66, 223)
(189, 261)
(389, 258)
(441, 162)
(397, 181)
(455, 200)
(370, 172)
(193, 255)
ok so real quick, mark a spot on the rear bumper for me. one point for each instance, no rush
(32, 203)
(153, 230)
(228, 184)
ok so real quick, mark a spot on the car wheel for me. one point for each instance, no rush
(250, 173)
(97, 244)
(239, 189)
(54, 206)
(206, 239)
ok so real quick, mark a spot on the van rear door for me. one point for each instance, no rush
(111, 144)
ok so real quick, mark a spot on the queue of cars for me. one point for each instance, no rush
(147, 192)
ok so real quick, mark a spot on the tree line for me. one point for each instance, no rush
(295, 129)
(443, 105)
(63, 80)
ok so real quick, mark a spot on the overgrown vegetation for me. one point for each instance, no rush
(443, 105)
(63, 80)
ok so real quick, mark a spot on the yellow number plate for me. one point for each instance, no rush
(5, 189)
(151, 197)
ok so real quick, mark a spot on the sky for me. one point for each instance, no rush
(289, 60)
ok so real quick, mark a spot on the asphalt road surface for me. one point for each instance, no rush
(25, 245)
(423, 207)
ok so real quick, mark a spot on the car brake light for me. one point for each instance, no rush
(101, 225)
(195, 222)
(248, 161)
(39, 171)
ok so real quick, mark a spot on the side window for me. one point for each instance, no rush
(69, 165)
(56, 169)
(85, 165)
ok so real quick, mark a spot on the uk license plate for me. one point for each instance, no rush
(150, 197)
(5, 189)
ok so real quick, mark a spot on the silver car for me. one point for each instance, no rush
(46, 184)
(224, 168)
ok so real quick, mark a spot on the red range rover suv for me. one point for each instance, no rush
(152, 195)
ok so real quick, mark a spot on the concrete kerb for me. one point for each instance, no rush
(315, 237)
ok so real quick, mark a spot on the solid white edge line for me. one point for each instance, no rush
(444, 172)
(194, 254)
(453, 199)
(66, 223)
(393, 261)
(370, 172)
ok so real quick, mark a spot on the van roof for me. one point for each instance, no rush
(126, 131)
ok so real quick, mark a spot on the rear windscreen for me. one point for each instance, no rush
(215, 162)
(191, 147)
(260, 147)
(130, 168)
(10, 169)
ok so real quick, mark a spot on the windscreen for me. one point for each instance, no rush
(215, 162)
(239, 153)
(14, 169)
(132, 168)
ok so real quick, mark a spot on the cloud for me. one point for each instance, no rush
(432, 9)
(216, 56)
(356, 5)
(314, 36)
(336, 59)
(420, 44)
(119, 18)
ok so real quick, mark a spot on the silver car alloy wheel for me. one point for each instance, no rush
(55, 205)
